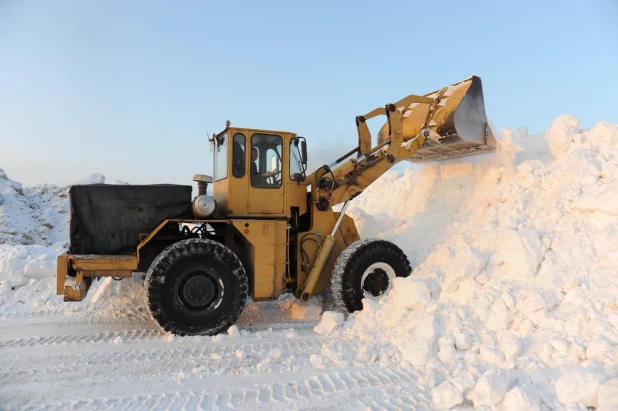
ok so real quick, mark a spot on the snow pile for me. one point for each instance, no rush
(32, 215)
(514, 298)
(34, 230)
(20, 263)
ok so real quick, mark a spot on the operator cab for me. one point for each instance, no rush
(258, 172)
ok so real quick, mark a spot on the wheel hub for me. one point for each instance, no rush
(377, 282)
(199, 291)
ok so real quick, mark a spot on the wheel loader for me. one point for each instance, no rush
(269, 226)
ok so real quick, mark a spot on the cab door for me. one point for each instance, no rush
(265, 196)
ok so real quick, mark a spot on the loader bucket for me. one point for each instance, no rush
(459, 124)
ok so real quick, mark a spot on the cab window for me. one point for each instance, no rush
(266, 160)
(221, 157)
(238, 156)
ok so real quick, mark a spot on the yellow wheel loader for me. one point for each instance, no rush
(269, 227)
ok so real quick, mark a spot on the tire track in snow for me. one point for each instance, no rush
(69, 333)
(372, 388)
(11, 314)
(109, 336)
(69, 317)
(181, 357)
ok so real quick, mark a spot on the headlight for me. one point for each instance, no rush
(204, 206)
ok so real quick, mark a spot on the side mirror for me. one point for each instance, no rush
(303, 151)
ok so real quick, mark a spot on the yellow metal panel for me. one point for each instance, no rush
(261, 256)
(76, 288)
(103, 262)
(281, 256)
(62, 269)
(296, 194)
(266, 256)
(266, 201)
(108, 273)
(221, 195)
(348, 230)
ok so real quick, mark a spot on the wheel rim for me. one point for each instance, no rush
(198, 290)
(377, 279)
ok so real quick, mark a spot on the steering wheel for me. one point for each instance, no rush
(275, 178)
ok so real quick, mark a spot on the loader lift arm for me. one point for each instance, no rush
(345, 180)
(447, 123)
(348, 179)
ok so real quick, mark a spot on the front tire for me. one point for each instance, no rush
(196, 287)
(365, 269)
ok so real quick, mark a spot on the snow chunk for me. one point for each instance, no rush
(233, 332)
(421, 346)
(491, 354)
(608, 396)
(603, 132)
(510, 346)
(522, 398)
(318, 361)
(467, 264)
(446, 395)
(520, 251)
(489, 389)
(593, 200)
(499, 320)
(578, 385)
(410, 293)
(20, 263)
(561, 133)
(417, 351)
(463, 341)
(330, 322)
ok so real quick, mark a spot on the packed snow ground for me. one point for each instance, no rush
(513, 303)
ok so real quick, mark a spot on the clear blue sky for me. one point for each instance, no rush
(131, 88)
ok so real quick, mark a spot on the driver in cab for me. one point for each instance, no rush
(257, 179)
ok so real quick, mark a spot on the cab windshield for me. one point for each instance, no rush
(266, 160)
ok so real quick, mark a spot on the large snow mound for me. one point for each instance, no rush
(513, 302)
(519, 251)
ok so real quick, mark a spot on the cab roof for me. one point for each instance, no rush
(255, 130)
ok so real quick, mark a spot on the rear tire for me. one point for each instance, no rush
(366, 268)
(196, 287)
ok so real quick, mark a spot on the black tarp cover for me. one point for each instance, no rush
(107, 219)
